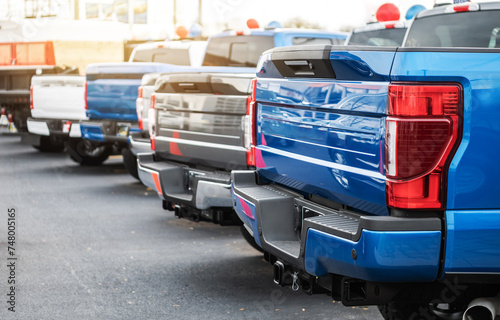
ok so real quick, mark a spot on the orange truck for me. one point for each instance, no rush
(19, 62)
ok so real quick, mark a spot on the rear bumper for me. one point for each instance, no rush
(48, 127)
(139, 143)
(372, 248)
(107, 131)
(180, 184)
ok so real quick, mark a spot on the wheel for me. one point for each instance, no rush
(130, 162)
(50, 144)
(85, 153)
(251, 240)
(413, 311)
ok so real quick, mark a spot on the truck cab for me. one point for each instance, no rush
(387, 33)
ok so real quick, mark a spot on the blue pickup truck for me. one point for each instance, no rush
(376, 174)
(111, 92)
(199, 121)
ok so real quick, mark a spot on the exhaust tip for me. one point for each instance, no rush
(483, 309)
(478, 313)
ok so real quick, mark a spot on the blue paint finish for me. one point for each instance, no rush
(361, 65)
(93, 133)
(240, 211)
(333, 130)
(472, 241)
(473, 175)
(381, 256)
(112, 99)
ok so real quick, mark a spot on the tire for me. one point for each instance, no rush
(130, 162)
(82, 152)
(251, 240)
(412, 311)
(50, 144)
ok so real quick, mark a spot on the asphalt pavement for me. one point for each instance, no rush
(94, 243)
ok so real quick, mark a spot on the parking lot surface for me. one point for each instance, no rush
(94, 243)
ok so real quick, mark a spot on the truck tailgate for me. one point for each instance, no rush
(323, 136)
(201, 118)
(112, 88)
(58, 97)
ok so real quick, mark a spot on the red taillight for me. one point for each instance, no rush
(152, 121)
(152, 101)
(31, 97)
(250, 122)
(3, 111)
(10, 118)
(85, 94)
(390, 26)
(139, 106)
(422, 132)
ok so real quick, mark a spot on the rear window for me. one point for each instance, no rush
(467, 29)
(383, 37)
(178, 57)
(237, 51)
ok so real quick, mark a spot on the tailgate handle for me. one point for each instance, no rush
(300, 67)
(188, 87)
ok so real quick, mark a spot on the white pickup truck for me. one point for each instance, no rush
(183, 53)
(57, 105)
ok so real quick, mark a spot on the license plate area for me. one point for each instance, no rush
(122, 130)
(191, 177)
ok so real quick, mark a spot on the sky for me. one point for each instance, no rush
(217, 15)
(331, 14)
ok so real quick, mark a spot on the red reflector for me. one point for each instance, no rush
(31, 97)
(152, 139)
(463, 8)
(422, 130)
(141, 126)
(390, 26)
(139, 92)
(67, 126)
(156, 179)
(240, 33)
